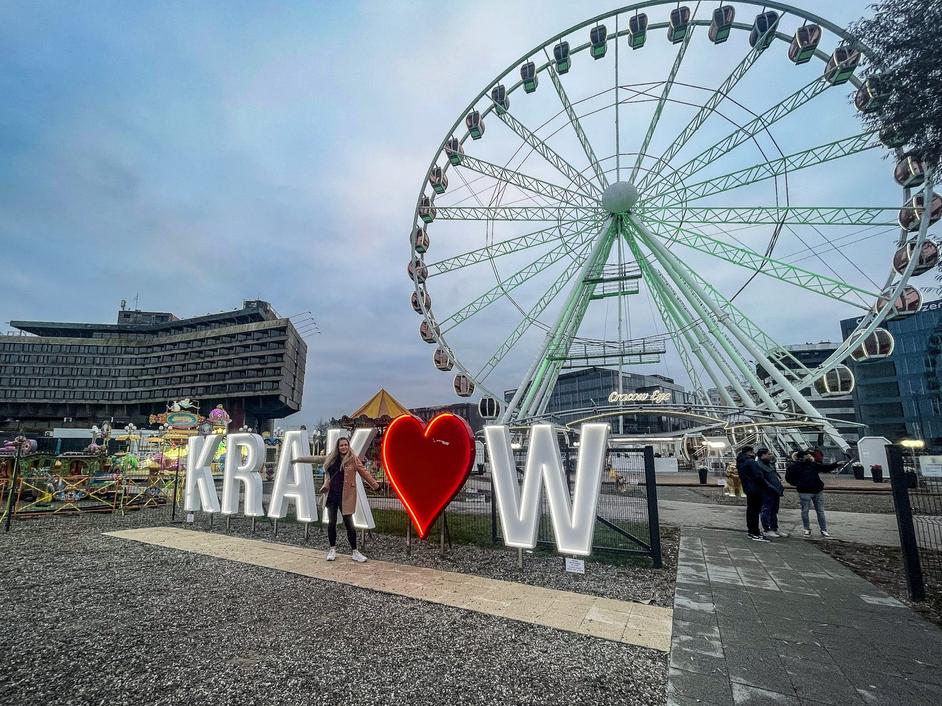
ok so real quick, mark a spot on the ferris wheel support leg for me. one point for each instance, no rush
(699, 301)
(665, 301)
(672, 262)
(539, 374)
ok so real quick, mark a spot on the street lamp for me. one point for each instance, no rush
(912, 445)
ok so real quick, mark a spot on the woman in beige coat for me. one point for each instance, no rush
(340, 484)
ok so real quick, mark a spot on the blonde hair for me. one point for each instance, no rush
(336, 452)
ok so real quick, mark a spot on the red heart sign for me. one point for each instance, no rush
(427, 465)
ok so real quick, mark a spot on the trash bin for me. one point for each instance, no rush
(876, 472)
(702, 472)
(858, 471)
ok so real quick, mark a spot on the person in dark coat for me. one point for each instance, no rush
(773, 493)
(804, 475)
(754, 485)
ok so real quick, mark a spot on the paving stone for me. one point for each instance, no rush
(745, 694)
(700, 662)
(702, 687)
(759, 667)
(821, 682)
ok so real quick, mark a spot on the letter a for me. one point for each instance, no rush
(246, 473)
(573, 522)
(199, 487)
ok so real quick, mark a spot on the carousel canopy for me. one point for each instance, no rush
(382, 404)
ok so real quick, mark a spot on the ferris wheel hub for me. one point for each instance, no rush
(620, 197)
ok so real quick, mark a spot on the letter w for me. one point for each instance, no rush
(520, 508)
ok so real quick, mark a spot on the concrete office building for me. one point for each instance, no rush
(54, 374)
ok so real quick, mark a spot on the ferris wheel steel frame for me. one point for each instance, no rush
(703, 324)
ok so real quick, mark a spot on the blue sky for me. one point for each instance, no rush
(199, 154)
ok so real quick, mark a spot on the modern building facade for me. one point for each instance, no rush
(590, 388)
(839, 408)
(900, 397)
(466, 410)
(250, 360)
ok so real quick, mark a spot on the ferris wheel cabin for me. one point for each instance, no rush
(475, 125)
(892, 137)
(841, 65)
(928, 257)
(598, 38)
(463, 386)
(678, 24)
(419, 239)
(763, 30)
(637, 30)
(907, 303)
(428, 332)
(804, 43)
(454, 151)
(443, 360)
(427, 300)
(835, 382)
(878, 345)
(500, 98)
(529, 77)
(426, 210)
(418, 272)
(722, 23)
(561, 54)
(909, 172)
(910, 215)
(870, 96)
(438, 180)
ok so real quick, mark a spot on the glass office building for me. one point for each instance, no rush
(900, 397)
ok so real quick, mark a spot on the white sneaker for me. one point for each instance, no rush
(825, 533)
(331, 553)
(356, 556)
(781, 534)
(772, 533)
(806, 533)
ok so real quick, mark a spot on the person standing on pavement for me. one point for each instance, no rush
(340, 473)
(773, 494)
(753, 484)
(804, 475)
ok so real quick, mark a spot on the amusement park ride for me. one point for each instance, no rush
(709, 171)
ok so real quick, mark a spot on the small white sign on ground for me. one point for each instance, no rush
(575, 566)
(189, 517)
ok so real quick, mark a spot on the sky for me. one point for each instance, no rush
(189, 156)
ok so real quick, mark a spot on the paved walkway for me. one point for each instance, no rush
(621, 621)
(862, 527)
(783, 623)
(836, 483)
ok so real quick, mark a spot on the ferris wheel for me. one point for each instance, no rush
(670, 176)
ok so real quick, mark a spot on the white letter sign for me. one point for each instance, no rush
(294, 481)
(247, 474)
(199, 488)
(573, 521)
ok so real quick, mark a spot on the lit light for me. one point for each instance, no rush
(913, 443)
(716, 444)
(294, 481)
(516, 446)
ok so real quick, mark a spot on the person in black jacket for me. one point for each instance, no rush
(772, 496)
(803, 474)
(754, 485)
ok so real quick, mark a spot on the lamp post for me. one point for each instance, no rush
(19, 442)
(912, 445)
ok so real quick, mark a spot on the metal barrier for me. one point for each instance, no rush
(918, 502)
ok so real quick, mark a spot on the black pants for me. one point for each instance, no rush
(332, 527)
(753, 508)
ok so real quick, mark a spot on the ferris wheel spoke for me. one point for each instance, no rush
(529, 183)
(576, 125)
(705, 112)
(545, 151)
(659, 108)
(764, 215)
(513, 213)
(530, 318)
(770, 267)
(776, 167)
(496, 292)
(572, 231)
(784, 107)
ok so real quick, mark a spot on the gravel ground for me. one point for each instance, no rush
(883, 566)
(839, 502)
(96, 620)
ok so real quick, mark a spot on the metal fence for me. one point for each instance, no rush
(918, 502)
